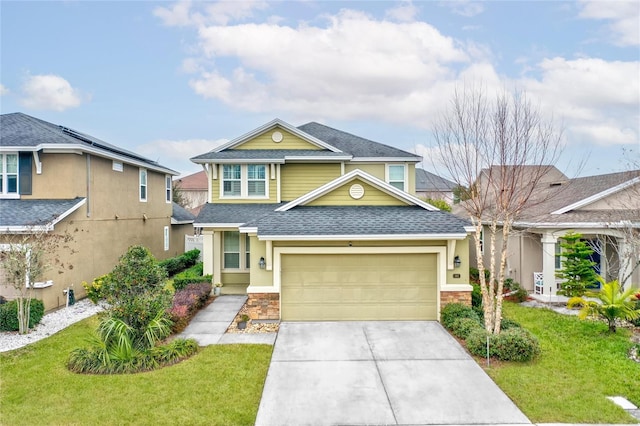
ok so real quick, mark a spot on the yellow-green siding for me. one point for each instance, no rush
(289, 141)
(298, 179)
(376, 169)
(372, 197)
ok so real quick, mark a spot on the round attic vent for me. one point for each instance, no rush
(356, 191)
(277, 137)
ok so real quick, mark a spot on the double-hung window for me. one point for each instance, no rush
(234, 244)
(396, 176)
(167, 189)
(143, 185)
(244, 180)
(8, 174)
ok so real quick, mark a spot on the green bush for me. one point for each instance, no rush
(474, 275)
(461, 327)
(476, 296)
(506, 324)
(515, 344)
(9, 315)
(177, 264)
(95, 290)
(453, 311)
(636, 321)
(520, 294)
(180, 283)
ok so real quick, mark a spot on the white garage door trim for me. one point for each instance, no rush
(440, 251)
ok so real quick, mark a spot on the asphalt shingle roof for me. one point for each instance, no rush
(22, 130)
(352, 144)
(359, 220)
(233, 213)
(181, 214)
(24, 213)
(427, 181)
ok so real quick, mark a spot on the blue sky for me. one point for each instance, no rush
(171, 80)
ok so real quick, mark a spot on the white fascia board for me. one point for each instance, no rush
(357, 173)
(240, 160)
(81, 202)
(180, 222)
(604, 225)
(269, 125)
(25, 229)
(218, 225)
(470, 228)
(248, 229)
(598, 196)
(317, 159)
(386, 159)
(79, 149)
(362, 237)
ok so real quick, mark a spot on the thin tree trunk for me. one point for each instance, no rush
(503, 264)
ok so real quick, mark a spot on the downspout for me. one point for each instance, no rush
(88, 185)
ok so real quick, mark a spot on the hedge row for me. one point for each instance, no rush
(513, 343)
(180, 263)
(186, 302)
(180, 283)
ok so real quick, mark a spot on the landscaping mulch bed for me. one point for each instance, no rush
(253, 326)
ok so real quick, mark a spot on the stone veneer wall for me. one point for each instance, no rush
(447, 297)
(264, 306)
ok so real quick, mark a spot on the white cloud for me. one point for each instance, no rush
(3, 90)
(175, 154)
(597, 100)
(49, 92)
(623, 17)
(181, 13)
(464, 7)
(406, 12)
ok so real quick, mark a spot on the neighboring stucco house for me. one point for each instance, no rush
(605, 209)
(429, 185)
(194, 189)
(58, 180)
(313, 223)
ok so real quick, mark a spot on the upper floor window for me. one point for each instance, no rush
(167, 189)
(248, 180)
(8, 174)
(143, 185)
(396, 176)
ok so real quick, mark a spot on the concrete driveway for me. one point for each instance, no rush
(377, 373)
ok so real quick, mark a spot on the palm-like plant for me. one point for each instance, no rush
(613, 304)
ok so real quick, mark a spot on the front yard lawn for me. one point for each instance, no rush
(220, 385)
(579, 366)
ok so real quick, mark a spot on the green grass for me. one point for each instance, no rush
(579, 366)
(221, 385)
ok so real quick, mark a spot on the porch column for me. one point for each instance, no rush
(207, 252)
(549, 263)
(216, 258)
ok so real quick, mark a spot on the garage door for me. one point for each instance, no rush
(398, 286)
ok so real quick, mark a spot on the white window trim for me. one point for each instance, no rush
(140, 185)
(244, 184)
(405, 182)
(5, 181)
(166, 238)
(242, 254)
(168, 190)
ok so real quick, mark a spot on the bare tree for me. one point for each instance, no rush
(500, 149)
(25, 258)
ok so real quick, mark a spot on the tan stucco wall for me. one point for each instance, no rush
(177, 233)
(289, 141)
(63, 176)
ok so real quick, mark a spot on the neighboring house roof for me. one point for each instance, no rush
(429, 182)
(345, 221)
(334, 145)
(29, 215)
(194, 182)
(22, 132)
(355, 145)
(181, 216)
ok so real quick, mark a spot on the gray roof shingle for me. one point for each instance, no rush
(359, 220)
(233, 213)
(25, 213)
(22, 130)
(427, 181)
(182, 215)
(352, 144)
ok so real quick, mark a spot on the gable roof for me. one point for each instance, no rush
(232, 214)
(353, 175)
(193, 182)
(22, 132)
(335, 145)
(35, 215)
(427, 182)
(180, 215)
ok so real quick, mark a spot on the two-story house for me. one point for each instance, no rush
(56, 179)
(313, 223)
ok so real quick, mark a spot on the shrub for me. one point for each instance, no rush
(636, 321)
(176, 264)
(515, 344)
(96, 290)
(186, 303)
(461, 327)
(520, 294)
(474, 275)
(507, 324)
(180, 283)
(576, 302)
(476, 296)
(9, 315)
(453, 311)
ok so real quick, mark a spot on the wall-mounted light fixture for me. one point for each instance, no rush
(262, 263)
(457, 262)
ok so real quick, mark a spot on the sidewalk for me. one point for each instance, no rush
(209, 325)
